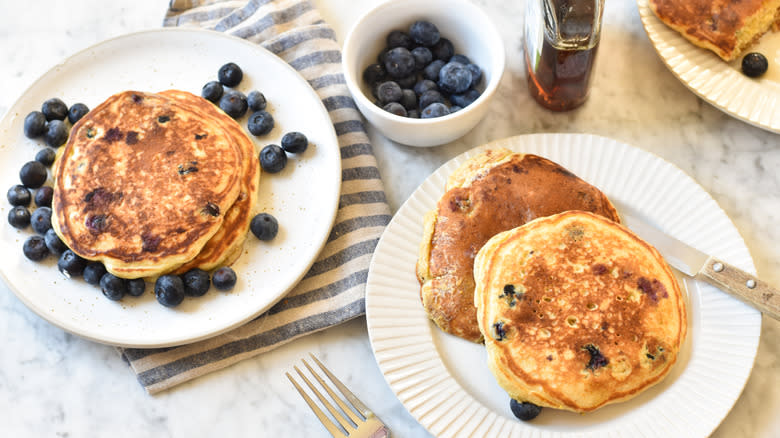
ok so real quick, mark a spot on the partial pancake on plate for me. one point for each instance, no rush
(494, 191)
(726, 27)
(577, 312)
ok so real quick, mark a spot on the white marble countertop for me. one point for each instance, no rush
(57, 385)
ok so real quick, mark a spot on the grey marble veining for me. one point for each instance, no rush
(55, 384)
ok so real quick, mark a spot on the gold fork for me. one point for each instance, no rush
(364, 425)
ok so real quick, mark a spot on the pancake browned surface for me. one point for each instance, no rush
(726, 27)
(144, 182)
(494, 191)
(577, 312)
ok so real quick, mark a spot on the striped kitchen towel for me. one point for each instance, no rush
(333, 290)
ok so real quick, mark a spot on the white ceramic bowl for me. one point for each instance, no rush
(464, 24)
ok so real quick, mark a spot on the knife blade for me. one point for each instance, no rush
(701, 266)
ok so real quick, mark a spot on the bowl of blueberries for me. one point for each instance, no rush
(423, 73)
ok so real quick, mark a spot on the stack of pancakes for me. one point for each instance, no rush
(155, 183)
(575, 311)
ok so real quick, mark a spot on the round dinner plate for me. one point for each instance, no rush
(303, 197)
(444, 381)
(720, 83)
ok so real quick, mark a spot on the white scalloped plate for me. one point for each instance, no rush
(721, 84)
(444, 381)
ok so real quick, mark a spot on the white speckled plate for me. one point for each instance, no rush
(444, 381)
(722, 84)
(303, 197)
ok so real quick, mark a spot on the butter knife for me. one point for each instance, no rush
(694, 263)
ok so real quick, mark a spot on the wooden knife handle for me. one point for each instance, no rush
(742, 285)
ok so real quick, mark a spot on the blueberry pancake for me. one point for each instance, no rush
(494, 191)
(577, 312)
(144, 182)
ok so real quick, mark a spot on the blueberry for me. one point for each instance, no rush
(19, 217)
(34, 248)
(424, 33)
(43, 196)
(424, 85)
(196, 282)
(413, 114)
(113, 287)
(476, 74)
(422, 57)
(408, 99)
(230, 74)
(465, 99)
(46, 156)
(273, 158)
(224, 278)
(460, 59)
(434, 110)
(523, 410)
(455, 108)
(34, 124)
(53, 242)
(374, 74)
(71, 264)
(380, 58)
(430, 97)
(454, 78)
(399, 62)
(754, 64)
(212, 91)
(54, 109)
(77, 111)
(256, 101)
(136, 287)
(388, 92)
(443, 50)
(19, 195)
(93, 272)
(407, 82)
(41, 220)
(33, 174)
(294, 142)
(169, 290)
(56, 133)
(431, 72)
(397, 38)
(233, 103)
(395, 108)
(260, 123)
(264, 226)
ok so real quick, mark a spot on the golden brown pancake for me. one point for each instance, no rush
(726, 27)
(144, 182)
(492, 192)
(577, 311)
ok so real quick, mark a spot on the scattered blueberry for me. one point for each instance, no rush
(430, 97)
(71, 264)
(399, 62)
(43, 196)
(136, 287)
(395, 108)
(54, 243)
(56, 133)
(294, 142)
(169, 290)
(34, 248)
(256, 101)
(233, 103)
(388, 92)
(424, 33)
(113, 287)
(54, 109)
(230, 74)
(523, 410)
(264, 226)
(397, 38)
(19, 195)
(422, 57)
(443, 50)
(93, 272)
(374, 74)
(33, 174)
(465, 99)
(77, 111)
(408, 99)
(424, 85)
(19, 217)
(260, 123)
(434, 110)
(431, 72)
(46, 156)
(34, 124)
(754, 64)
(273, 158)
(212, 91)
(196, 282)
(224, 278)
(41, 220)
(454, 78)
